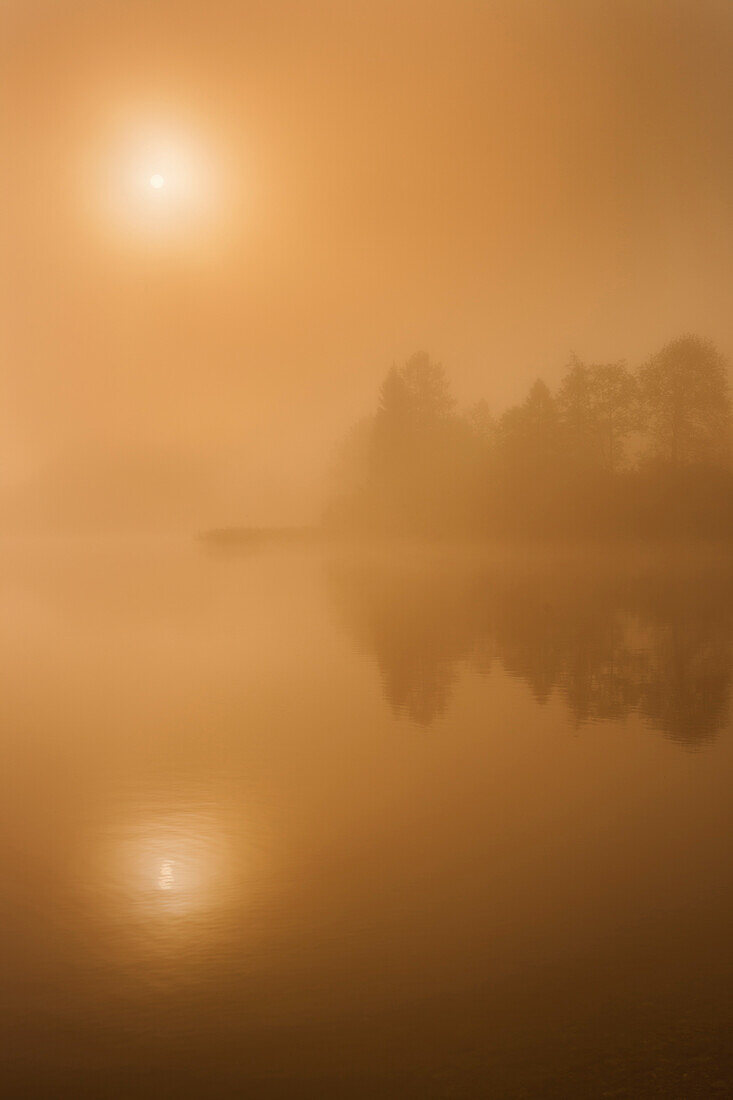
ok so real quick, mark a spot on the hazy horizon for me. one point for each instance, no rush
(501, 184)
(366, 514)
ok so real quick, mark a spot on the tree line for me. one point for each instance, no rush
(613, 450)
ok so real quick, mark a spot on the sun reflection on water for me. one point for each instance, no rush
(175, 863)
(166, 874)
(166, 878)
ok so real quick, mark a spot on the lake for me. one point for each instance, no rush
(365, 821)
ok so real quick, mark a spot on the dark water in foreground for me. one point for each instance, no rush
(327, 824)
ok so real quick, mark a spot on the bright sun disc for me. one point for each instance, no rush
(157, 184)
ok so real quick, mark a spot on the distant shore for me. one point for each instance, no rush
(259, 536)
(546, 549)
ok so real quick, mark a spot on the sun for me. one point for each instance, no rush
(157, 183)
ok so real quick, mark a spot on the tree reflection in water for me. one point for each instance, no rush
(613, 638)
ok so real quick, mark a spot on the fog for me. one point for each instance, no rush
(503, 184)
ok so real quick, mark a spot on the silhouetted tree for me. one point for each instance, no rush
(577, 407)
(533, 429)
(599, 408)
(618, 412)
(391, 437)
(686, 398)
(427, 388)
(481, 423)
(412, 447)
(528, 455)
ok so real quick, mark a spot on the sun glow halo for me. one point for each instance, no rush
(157, 184)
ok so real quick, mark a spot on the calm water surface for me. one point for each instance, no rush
(427, 823)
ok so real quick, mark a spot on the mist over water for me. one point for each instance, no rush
(366, 505)
(364, 821)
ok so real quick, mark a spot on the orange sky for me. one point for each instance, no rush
(498, 182)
